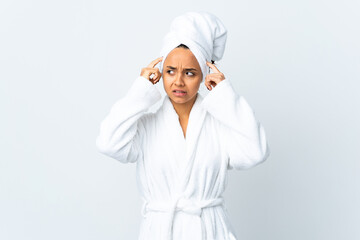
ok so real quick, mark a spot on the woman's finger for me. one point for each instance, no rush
(154, 62)
(207, 86)
(155, 75)
(146, 72)
(208, 83)
(158, 78)
(215, 77)
(212, 66)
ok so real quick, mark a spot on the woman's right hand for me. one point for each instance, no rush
(150, 72)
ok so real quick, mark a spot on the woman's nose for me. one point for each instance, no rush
(179, 80)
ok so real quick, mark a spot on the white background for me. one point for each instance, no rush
(64, 63)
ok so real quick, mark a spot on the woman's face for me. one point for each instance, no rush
(181, 75)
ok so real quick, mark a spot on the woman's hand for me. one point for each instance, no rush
(211, 80)
(150, 72)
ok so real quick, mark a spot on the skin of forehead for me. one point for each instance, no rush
(182, 59)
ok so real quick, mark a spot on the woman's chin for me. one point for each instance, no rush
(180, 100)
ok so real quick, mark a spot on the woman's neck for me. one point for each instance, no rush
(183, 109)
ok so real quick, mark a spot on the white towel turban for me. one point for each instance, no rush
(202, 32)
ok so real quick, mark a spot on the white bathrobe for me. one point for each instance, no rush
(181, 180)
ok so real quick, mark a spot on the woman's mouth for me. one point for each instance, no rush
(179, 93)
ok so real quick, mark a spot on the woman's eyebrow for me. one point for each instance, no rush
(190, 69)
(186, 69)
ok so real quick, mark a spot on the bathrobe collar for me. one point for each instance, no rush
(185, 158)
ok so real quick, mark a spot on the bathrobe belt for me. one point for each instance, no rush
(193, 207)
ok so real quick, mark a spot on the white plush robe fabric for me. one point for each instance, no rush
(182, 180)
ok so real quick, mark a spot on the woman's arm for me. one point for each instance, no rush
(245, 139)
(122, 130)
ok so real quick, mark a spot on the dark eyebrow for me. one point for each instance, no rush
(190, 69)
(186, 69)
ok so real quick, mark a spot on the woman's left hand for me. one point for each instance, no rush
(211, 80)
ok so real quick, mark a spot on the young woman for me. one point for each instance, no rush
(184, 149)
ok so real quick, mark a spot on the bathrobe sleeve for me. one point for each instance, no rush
(123, 129)
(244, 137)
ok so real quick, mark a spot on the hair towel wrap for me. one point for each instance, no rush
(202, 32)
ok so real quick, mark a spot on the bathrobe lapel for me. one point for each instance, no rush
(183, 150)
